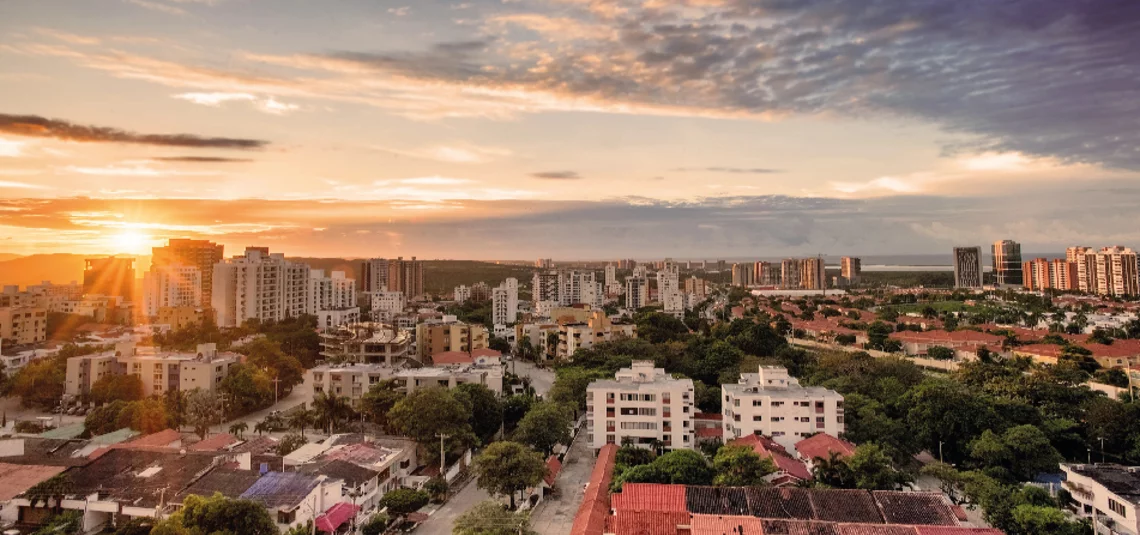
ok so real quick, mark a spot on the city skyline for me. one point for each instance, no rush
(596, 128)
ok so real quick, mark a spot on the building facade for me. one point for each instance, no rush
(171, 285)
(202, 254)
(332, 292)
(159, 371)
(772, 403)
(366, 343)
(374, 275)
(766, 274)
(406, 276)
(505, 302)
(23, 324)
(449, 334)
(111, 276)
(1116, 272)
(1007, 263)
(595, 330)
(1107, 493)
(636, 292)
(742, 274)
(386, 304)
(643, 406)
(850, 268)
(259, 285)
(967, 267)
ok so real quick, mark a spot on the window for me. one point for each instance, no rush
(757, 418)
(610, 439)
(1117, 507)
(639, 425)
(777, 418)
(757, 403)
(777, 403)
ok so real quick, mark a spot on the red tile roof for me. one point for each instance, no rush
(163, 438)
(821, 445)
(766, 447)
(595, 508)
(336, 516)
(15, 479)
(873, 529)
(553, 467)
(486, 352)
(650, 497)
(214, 443)
(944, 530)
(647, 522)
(452, 357)
(726, 525)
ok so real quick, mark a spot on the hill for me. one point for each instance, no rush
(60, 268)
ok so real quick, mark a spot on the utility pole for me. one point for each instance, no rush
(940, 452)
(442, 455)
(1102, 450)
(276, 381)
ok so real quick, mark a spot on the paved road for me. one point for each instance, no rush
(302, 393)
(441, 521)
(555, 515)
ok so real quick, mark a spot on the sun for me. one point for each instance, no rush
(131, 242)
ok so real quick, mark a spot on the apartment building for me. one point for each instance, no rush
(544, 287)
(676, 303)
(1116, 272)
(505, 302)
(643, 406)
(461, 294)
(1007, 263)
(353, 381)
(577, 286)
(1107, 493)
(112, 276)
(850, 268)
(597, 329)
(366, 343)
(202, 254)
(544, 263)
(332, 292)
(698, 287)
(773, 403)
(406, 276)
(967, 267)
(23, 324)
(742, 274)
(171, 285)
(55, 295)
(448, 334)
(668, 277)
(610, 274)
(1041, 274)
(259, 285)
(636, 292)
(1063, 274)
(159, 371)
(374, 275)
(331, 319)
(101, 308)
(181, 317)
(386, 304)
(766, 274)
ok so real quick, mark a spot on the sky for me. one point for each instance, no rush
(573, 129)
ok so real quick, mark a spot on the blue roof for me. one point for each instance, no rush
(281, 489)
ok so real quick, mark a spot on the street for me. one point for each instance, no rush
(540, 378)
(555, 515)
(442, 520)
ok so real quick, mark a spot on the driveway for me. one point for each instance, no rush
(555, 515)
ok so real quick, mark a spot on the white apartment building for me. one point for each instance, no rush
(173, 285)
(1109, 493)
(259, 285)
(677, 302)
(461, 294)
(159, 371)
(544, 288)
(611, 275)
(387, 304)
(332, 292)
(642, 405)
(577, 287)
(505, 302)
(773, 403)
(595, 330)
(330, 319)
(353, 381)
(636, 292)
(668, 277)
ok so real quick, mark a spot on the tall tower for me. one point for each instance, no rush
(1007, 262)
(967, 267)
(202, 254)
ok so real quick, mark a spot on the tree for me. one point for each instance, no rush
(685, 467)
(505, 468)
(1020, 453)
(658, 327)
(104, 419)
(514, 408)
(1036, 519)
(268, 355)
(832, 472)
(238, 429)
(262, 427)
(886, 314)
(940, 353)
(872, 469)
(544, 427)
(490, 518)
(217, 515)
(137, 526)
(203, 409)
(570, 384)
(289, 443)
(633, 456)
(329, 410)
(426, 414)
(400, 502)
(437, 487)
(39, 383)
(486, 410)
(375, 525)
(146, 416)
(249, 388)
(380, 399)
(947, 412)
(116, 387)
(740, 466)
(300, 419)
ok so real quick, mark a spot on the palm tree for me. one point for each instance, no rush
(301, 419)
(329, 410)
(262, 427)
(238, 429)
(832, 471)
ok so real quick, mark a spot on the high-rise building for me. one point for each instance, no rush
(576, 286)
(449, 334)
(1007, 262)
(636, 292)
(374, 275)
(766, 274)
(812, 274)
(791, 273)
(480, 292)
(202, 254)
(544, 288)
(259, 285)
(171, 286)
(642, 406)
(461, 294)
(721, 265)
(611, 274)
(967, 267)
(1063, 274)
(406, 276)
(668, 277)
(505, 302)
(111, 276)
(333, 292)
(544, 263)
(1085, 260)
(698, 287)
(850, 268)
(386, 304)
(1116, 272)
(742, 274)
(1042, 274)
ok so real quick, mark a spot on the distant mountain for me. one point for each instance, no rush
(9, 256)
(60, 268)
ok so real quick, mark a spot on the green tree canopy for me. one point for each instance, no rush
(505, 468)
(739, 466)
(116, 387)
(427, 413)
(544, 427)
(403, 501)
(490, 518)
(486, 409)
(217, 515)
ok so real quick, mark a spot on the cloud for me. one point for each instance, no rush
(11, 149)
(460, 152)
(557, 175)
(36, 126)
(201, 159)
(133, 169)
(736, 170)
(6, 184)
(268, 105)
(158, 6)
(399, 11)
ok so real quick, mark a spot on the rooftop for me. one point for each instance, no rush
(820, 445)
(1123, 481)
(231, 483)
(352, 474)
(15, 479)
(138, 477)
(281, 489)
